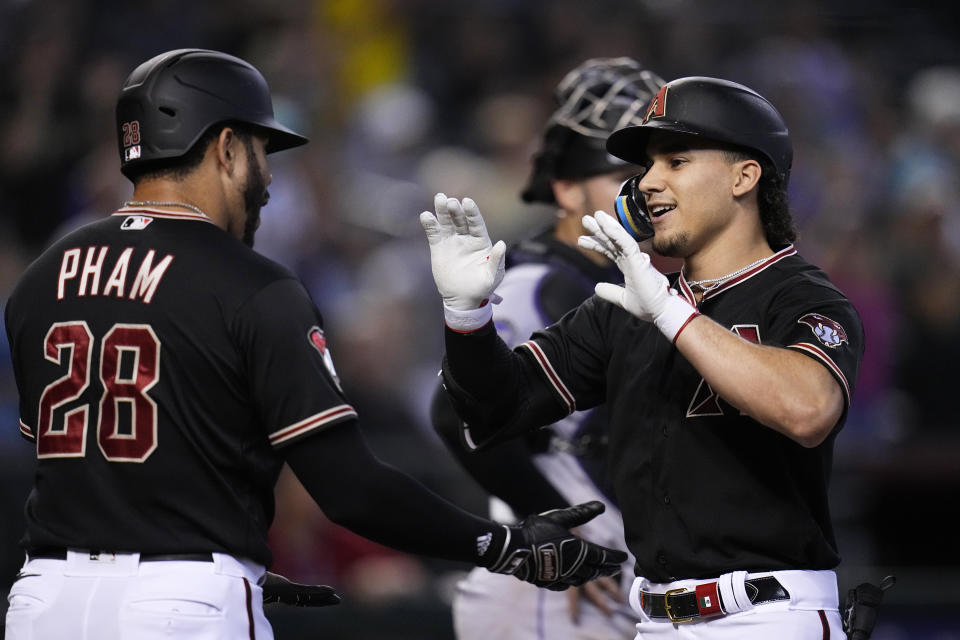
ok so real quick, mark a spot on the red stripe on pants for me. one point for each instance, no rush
(246, 587)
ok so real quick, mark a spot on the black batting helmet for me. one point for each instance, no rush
(599, 96)
(168, 102)
(715, 109)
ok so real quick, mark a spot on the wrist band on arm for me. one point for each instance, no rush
(676, 314)
(465, 321)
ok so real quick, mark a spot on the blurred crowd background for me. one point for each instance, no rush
(402, 99)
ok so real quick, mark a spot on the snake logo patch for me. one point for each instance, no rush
(828, 332)
(319, 342)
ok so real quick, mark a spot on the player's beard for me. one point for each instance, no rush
(255, 194)
(672, 247)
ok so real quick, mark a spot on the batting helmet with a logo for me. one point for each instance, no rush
(715, 109)
(168, 102)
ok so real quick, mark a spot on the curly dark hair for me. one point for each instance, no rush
(772, 200)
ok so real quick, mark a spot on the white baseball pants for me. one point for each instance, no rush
(118, 597)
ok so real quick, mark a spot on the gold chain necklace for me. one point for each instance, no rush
(155, 203)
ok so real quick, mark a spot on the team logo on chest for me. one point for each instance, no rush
(705, 401)
(828, 331)
(319, 342)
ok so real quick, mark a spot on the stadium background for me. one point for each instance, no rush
(405, 98)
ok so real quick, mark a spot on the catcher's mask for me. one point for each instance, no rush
(167, 103)
(598, 97)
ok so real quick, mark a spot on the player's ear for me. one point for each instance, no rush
(226, 149)
(746, 176)
(569, 194)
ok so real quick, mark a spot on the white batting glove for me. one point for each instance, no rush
(467, 267)
(646, 292)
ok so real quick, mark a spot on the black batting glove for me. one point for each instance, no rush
(541, 550)
(278, 589)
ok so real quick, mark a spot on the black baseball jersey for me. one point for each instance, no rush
(545, 279)
(704, 489)
(161, 364)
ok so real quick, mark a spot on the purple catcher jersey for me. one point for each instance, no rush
(161, 364)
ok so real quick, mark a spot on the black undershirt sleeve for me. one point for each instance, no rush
(483, 363)
(504, 470)
(499, 393)
(358, 491)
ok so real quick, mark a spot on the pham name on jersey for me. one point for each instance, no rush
(143, 276)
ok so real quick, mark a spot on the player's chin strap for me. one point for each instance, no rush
(860, 609)
(277, 589)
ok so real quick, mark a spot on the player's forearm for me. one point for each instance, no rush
(399, 512)
(495, 390)
(481, 363)
(505, 470)
(381, 503)
(779, 388)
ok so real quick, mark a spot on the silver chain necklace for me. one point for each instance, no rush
(718, 281)
(155, 203)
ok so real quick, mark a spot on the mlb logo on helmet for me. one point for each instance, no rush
(828, 331)
(131, 153)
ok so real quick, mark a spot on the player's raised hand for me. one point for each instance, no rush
(466, 266)
(645, 289)
(541, 550)
(645, 292)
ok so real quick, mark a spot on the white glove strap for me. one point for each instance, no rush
(676, 313)
(465, 321)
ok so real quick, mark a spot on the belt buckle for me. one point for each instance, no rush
(667, 608)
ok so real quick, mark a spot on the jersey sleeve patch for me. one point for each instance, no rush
(829, 332)
(26, 431)
(315, 421)
(319, 341)
(551, 374)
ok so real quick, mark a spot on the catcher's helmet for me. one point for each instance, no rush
(715, 109)
(599, 96)
(168, 102)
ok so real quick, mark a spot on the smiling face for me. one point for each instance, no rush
(689, 192)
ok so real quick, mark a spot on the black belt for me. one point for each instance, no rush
(55, 553)
(681, 605)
